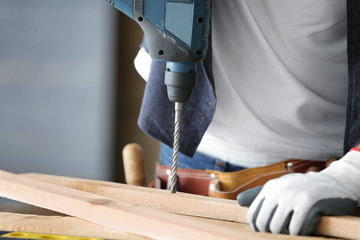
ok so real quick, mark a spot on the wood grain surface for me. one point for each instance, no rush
(179, 203)
(119, 215)
(347, 227)
(63, 225)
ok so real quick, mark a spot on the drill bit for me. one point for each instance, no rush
(173, 177)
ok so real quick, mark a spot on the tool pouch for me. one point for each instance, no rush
(229, 184)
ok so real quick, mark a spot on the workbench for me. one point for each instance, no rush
(98, 209)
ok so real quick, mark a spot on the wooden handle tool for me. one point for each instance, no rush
(134, 164)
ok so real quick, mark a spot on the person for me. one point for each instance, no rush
(279, 70)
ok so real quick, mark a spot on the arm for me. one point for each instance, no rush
(294, 204)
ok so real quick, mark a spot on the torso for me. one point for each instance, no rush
(280, 70)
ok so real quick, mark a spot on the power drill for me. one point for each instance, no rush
(176, 31)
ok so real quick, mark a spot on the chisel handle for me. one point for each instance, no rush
(134, 164)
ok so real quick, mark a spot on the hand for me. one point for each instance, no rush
(293, 204)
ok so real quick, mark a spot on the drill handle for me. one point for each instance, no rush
(175, 31)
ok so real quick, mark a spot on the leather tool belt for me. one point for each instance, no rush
(229, 184)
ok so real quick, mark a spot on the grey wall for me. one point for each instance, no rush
(56, 86)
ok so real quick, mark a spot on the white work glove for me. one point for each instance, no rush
(293, 204)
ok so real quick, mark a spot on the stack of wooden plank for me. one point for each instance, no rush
(117, 211)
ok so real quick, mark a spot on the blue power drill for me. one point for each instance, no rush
(176, 31)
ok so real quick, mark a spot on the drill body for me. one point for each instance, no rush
(176, 31)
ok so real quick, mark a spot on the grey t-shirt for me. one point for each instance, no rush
(280, 69)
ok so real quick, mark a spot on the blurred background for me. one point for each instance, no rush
(69, 93)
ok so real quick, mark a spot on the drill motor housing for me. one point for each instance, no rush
(176, 31)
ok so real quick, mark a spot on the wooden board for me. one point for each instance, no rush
(63, 225)
(118, 215)
(179, 203)
(193, 205)
(71, 226)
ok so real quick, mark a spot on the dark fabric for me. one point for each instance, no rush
(352, 130)
(157, 112)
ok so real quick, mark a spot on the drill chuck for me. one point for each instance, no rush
(180, 80)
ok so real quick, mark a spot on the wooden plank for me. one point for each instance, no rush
(193, 205)
(179, 203)
(111, 213)
(345, 227)
(60, 225)
(71, 226)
